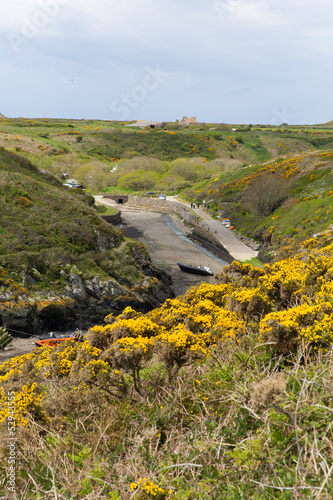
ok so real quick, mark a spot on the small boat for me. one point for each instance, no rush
(53, 341)
(202, 270)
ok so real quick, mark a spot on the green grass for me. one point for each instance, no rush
(253, 262)
(115, 190)
(47, 228)
(106, 210)
(304, 218)
(105, 140)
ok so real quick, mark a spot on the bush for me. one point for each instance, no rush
(265, 193)
(138, 181)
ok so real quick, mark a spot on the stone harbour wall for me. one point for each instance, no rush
(164, 206)
(113, 219)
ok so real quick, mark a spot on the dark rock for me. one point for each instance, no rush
(254, 245)
(103, 242)
(56, 317)
(76, 288)
(266, 255)
(85, 303)
(93, 287)
(141, 255)
(20, 321)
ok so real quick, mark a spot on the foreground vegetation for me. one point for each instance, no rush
(223, 393)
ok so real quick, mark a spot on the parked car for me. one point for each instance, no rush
(162, 197)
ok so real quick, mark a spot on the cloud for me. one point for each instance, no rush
(226, 59)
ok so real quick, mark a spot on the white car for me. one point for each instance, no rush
(162, 197)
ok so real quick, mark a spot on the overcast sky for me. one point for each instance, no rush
(234, 61)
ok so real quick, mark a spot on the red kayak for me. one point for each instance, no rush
(53, 341)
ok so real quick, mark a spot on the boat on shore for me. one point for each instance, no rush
(202, 270)
(52, 340)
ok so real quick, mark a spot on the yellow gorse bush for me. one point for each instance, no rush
(27, 400)
(134, 326)
(150, 488)
(320, 331)
(181, 339)
(229, 324)
(132, 344)
(287, 302)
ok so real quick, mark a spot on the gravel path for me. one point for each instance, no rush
(17, 347)
(226, 237)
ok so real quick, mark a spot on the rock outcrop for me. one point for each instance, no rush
(83, 302)
(254, 245)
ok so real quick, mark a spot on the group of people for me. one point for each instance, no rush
(204, 204)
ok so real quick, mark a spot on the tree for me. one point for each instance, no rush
(144, 163)
(265, 194)
(186, 169)
(92, 174)
(67, 165)
(138, 181)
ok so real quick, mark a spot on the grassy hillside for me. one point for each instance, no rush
(45, 226)
(202, 161)
(61, 264)
(90, 150)
(273, 182)
(223, 393)
(279, 202)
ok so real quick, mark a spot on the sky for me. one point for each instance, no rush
(222, 61)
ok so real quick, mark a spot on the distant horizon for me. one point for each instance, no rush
(164, 121)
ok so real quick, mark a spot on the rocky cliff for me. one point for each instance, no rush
(83, 302)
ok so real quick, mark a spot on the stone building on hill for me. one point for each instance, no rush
(188, 121)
